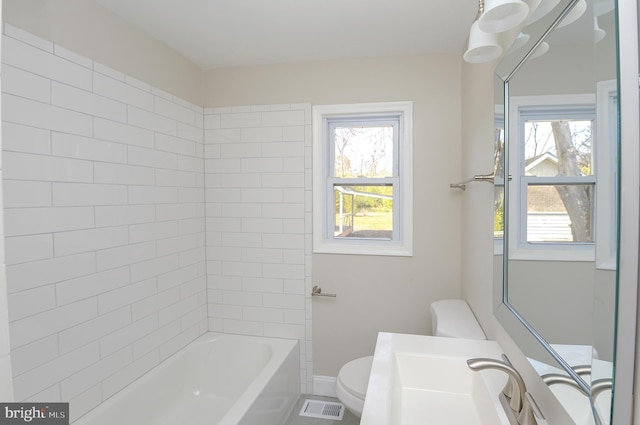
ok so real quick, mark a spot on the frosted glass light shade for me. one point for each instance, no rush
(598, 33)
(520, 41)
(542, 10)
(574, 14)
(540, 50)
(502, 15)
(533, 6)
(483, 46)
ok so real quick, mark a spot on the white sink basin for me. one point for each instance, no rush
(425, 380)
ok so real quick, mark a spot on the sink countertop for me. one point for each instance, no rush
(417, 379)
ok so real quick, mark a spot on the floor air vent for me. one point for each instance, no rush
(322, 409)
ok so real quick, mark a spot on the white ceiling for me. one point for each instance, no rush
(230, 33)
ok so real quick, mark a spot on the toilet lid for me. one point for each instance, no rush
(354, 376)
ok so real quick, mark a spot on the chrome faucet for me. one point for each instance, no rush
(581, 370)
(597, 386)
(558, 378)
(519, 406)
(600, 385)
(515, 389)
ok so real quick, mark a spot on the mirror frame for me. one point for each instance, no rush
(506, 313)
(629, 219)
(628, 251)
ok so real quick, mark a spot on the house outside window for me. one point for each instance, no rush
(363, 179)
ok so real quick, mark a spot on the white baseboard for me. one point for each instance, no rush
(324, 386)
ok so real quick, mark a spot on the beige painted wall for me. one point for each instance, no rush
(477, 228)
(362, 80)
(477, 200)
(376, 293)
(88, 29)
(453, 136)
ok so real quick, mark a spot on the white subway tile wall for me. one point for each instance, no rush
(136, 221)
(105, 223)
(258, 207)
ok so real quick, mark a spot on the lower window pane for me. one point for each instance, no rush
(363, 211)
(560, 213)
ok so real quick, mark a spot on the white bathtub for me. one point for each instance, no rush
(219, 379)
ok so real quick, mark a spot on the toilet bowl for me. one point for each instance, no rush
(449, 318)
(351, 384)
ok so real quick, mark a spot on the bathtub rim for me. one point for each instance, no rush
(282, 348)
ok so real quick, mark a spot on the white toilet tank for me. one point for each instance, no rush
(454, 319)
(450, 318)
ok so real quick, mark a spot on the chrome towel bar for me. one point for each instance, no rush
(316, 291)
(477, 178)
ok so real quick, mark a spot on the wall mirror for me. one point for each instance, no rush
(556, 217)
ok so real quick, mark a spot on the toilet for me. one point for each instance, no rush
(449, 318)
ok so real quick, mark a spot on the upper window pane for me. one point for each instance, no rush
(558, 148)
(363, 151)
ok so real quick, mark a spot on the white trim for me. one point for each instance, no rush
(607, 173)
(539, 160)
(498, 246)
(625, 375)
(324, 386)
(543, 253)
(403, 246)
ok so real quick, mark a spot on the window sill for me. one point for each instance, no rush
(366, 248)
(606, 264)
(579, 255)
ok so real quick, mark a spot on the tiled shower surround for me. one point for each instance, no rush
(258, 192)
(136, 221)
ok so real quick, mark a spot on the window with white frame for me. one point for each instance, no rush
(553, 165)
(363, 178)
(607, 189)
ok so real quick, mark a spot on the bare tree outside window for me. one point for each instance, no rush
(363, 178)
(574, 160)
(364, 152)
(562, 211)
(363, 210)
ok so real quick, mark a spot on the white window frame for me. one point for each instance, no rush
(401, 244)
(519, 248)
(607, 188)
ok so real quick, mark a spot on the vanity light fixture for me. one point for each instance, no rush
(520, 41)
(533, 7)
(598, 33)
(543, 8)
(540, 50)
(574, 14)
(483, 46)
(487, 45)
(503, 15)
